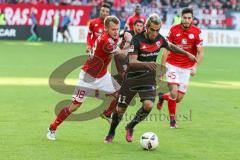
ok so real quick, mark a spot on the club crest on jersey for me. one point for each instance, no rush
(158, 43)
(184, 41)
(191, 36)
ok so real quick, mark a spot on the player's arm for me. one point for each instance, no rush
(199, 57)
(177, 50)
(164, 56)
(89, 38)
(200, 53)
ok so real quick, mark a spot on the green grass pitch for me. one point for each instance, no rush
(208, 130)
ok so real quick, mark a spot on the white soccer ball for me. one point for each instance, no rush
(149, 141)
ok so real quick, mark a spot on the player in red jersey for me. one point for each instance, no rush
(96, 27)
(94, 74)
(179, 66)
(133, 18)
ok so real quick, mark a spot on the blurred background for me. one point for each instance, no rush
(17, 17)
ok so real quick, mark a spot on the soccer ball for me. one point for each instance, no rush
(149, 141)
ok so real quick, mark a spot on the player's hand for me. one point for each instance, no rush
(193, 71)
(88, 49)
(151, 65)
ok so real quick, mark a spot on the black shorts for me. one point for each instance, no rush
(142, 82)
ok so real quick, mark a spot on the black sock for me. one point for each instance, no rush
(140, 116)
(116, 118)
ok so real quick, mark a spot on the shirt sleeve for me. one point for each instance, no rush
(199, 40)
(109, 46)
(164, 42)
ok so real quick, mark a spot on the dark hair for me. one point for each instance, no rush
(106, 5)
(138, 21)
(187, 10)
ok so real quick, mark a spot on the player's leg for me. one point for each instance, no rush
(109, 85)
(111, 108)
(77, 100)
(141, 114)
(80, 93)
(161, 98)
(173, 79)
(172, 104)
(124, 99)
(180, 96)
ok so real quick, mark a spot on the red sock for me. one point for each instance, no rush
(62, 115)
(166, 96)
(108, 112)
(172, 108)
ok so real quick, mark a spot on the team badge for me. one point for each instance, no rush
(191, 36)
(158, 43)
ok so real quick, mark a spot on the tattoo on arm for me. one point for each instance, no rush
(175, 49)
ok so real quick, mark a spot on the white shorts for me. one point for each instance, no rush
(179, 76)
(88, 84)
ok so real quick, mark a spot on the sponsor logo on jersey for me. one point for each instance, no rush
(95, 25)
(149, 54)
(178, 35)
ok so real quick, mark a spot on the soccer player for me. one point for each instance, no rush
(64, 28)
(140, 75)
(179, 66)
(136, 16)
(34, 28)
(120, 59)
(96, 27)
(94, 74)
(138, 26)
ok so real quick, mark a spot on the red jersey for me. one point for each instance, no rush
(188, 40)
(96, 28)
(101, 56)
(132, 19)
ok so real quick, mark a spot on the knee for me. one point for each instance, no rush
(178, 100)
(120, 110)
(147, 104)
(174, 93)
(74, 106)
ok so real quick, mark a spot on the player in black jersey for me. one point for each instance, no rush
(140, 75)
(121, 59)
